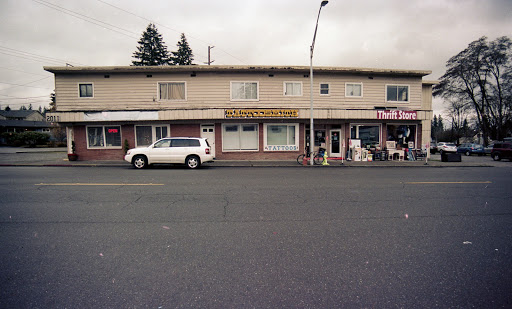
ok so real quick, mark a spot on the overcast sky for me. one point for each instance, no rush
(401, 34)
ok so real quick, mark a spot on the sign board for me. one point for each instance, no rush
(397, 115)
(261, 113)
(282, 148)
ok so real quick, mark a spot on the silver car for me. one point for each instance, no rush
(191, 151)
(446, 147)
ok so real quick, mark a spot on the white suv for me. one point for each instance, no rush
(191, 151)
(446, 147)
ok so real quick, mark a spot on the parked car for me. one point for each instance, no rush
(191, 151)
(471, 148)
(446, 147)
(502, 150)
(489, 147)
(433, 146)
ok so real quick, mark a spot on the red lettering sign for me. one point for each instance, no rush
(112, 131)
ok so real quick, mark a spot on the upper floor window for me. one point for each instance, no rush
(244, 91)
(324, 89)
(353, 89)
(85, 90)
(174, 91)
(292, 88)
(397, 93)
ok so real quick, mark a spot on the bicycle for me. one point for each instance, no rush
(317, 157)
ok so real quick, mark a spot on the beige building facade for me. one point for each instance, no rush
(246, 112)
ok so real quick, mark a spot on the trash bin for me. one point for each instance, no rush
(451, 157)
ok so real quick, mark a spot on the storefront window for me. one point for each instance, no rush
(368, 134)
(240, 137)
(281, 137)
(319, 138)
(108, 136)
(146, 135)
(402, 134)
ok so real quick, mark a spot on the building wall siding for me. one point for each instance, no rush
(209, 90)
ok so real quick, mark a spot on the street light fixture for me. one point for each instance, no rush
(311, 128)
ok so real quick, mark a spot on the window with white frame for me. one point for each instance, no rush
(148, 134)
(324, 89)
(103, 137)
(281, 137)
(172, 91)
(244, 91)
(240, 137)
(354, 90)
(85, 90)
(397, 93)
(368, 134)
(293, 88)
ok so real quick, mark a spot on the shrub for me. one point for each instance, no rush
(34, 138)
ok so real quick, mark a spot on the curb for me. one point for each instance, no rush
(244, 165)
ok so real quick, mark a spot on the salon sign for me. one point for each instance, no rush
(261, 113)
(397, 115)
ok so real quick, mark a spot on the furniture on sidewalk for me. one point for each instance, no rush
(392, 151)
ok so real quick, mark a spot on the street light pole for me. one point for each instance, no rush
(311, 127)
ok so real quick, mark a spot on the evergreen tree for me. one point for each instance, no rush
(7, 108)
(53, 99)
(433, 127)
(184, 54)
(151, 49)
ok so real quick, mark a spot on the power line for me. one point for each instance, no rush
(32, 55)
(164, 26)
(87, 18)
(15, 70)
(18, 98)
(29, 58)
(25, 85)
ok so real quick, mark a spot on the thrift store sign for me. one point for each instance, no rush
(397, 115)
(261, 113)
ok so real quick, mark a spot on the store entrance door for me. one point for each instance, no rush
(335, 144)
(208, 132)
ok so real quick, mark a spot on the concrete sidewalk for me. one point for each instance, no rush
(11, 156)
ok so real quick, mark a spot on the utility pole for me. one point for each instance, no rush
(210, 61)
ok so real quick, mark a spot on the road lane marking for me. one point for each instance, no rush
(446, 182)
(99, 184)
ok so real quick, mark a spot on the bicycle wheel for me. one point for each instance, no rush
(318, 159)
(300, 158)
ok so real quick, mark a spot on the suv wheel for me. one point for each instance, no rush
(140, 162)
(468, 153)
(496, 157)
(193, 162)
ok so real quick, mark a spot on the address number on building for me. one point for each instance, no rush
(52, 118)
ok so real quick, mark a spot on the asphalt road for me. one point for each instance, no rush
(89, 237)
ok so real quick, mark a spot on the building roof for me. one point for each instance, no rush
(17, 113)
(232, 68)
(24, 124)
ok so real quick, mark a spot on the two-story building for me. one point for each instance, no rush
(246, 112)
